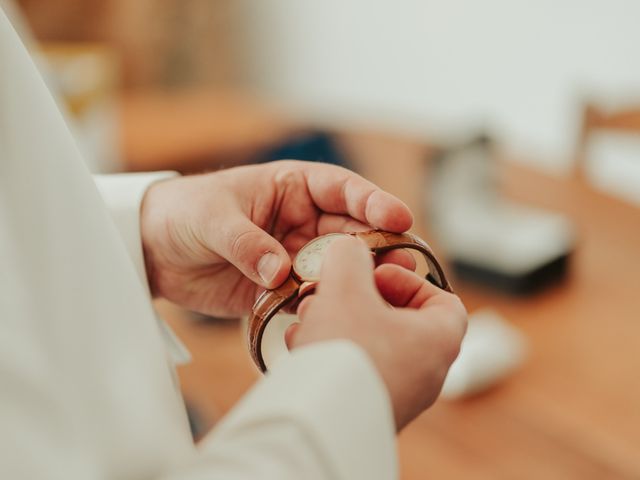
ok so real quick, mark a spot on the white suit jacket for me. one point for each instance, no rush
(86, 389)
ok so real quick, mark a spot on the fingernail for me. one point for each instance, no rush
(268, 267)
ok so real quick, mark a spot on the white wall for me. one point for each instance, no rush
(520, 67)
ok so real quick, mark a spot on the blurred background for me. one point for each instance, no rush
(512, 130)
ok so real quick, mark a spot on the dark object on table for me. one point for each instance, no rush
(552, 272)
(489, 239)
(316, 146)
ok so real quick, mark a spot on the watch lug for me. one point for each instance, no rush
(306, 288)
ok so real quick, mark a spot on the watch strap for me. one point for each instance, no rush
(271, 301)
(380, 242)
(266, 306)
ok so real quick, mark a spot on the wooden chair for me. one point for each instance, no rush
(596, 118)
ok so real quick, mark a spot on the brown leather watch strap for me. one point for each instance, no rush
(271, 301)
(380, 242)
(264, 309)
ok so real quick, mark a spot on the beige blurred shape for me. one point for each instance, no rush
(160, 42)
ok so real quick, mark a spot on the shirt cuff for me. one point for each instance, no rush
(123, 194)
(332, 391)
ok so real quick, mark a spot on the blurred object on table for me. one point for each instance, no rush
(491, 351)
(489, 239)
(85, 77)
(608, 151)
(312, 146)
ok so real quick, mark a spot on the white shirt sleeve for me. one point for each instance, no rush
(123, 194)
(322, 413)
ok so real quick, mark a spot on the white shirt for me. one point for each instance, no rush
(86, 390)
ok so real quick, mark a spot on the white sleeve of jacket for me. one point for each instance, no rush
(85, 389)
(321, 413)
(123, 195)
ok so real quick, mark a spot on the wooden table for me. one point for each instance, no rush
(196, 130)
(572, 411)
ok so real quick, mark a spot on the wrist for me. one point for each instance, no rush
(152, 212)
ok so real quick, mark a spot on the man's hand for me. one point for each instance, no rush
(412, 339)
(211, 242)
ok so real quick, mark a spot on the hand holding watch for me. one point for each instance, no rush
(305, 273)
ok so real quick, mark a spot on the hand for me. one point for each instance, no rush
(412, 342)
(213, 241)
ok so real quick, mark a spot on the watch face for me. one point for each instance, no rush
(308, 262)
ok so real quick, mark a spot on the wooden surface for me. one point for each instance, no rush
(595, 119)
(197, 130)
(572, 411)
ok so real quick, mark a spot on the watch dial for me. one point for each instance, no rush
(308, 262)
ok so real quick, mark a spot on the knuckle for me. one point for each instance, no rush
(285, 163)
(457, 314)
(242, 243)
(446, 348)
(287, 173)
(451, 332)
(452, 349)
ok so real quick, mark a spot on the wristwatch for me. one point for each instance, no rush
(305, 273)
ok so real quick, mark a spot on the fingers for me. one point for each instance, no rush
(347, 267)
(338, 190)
(254, 252)
(290, 334)
(331, 223)
(399, 257)
(303, 306)
(404, 288)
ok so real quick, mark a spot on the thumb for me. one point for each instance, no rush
(347, 267)
(254, 252)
